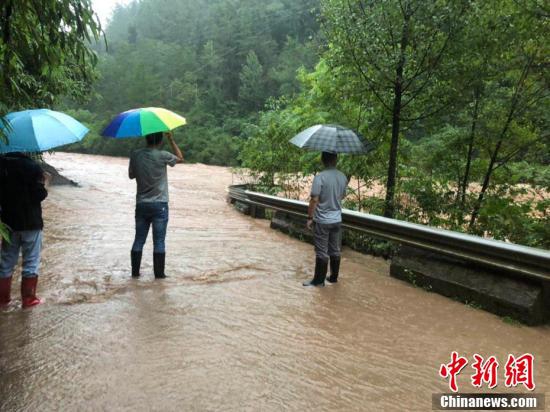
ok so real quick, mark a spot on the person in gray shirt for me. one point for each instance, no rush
(148, 167)
(325, 218)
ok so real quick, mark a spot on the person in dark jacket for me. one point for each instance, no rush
(22, 189)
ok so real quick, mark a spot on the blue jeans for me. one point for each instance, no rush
(30, 243)
(147, 214)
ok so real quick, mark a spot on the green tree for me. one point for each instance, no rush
(189, 56)
(473, 141)
(394, 50)
(252, 90)
(513, 90)
(294, 56)
(44, 51)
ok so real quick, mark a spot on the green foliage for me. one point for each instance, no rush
(44, 54)
(391, 53)
(215, 62)
(454, 94)
(366, 244)
(511, 321)
(473, 304)
(4, 233)
(252, 90)
(44, 51)
(294, 56)
(473, 141)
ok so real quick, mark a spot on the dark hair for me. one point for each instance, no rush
(329, 159)
(154, 139)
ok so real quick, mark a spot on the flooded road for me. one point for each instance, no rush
(232, 329)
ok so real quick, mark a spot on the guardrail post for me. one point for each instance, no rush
(546, 297)
(292, 225)
(257, 212)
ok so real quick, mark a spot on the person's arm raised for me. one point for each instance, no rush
(175, 149)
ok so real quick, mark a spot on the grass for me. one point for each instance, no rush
(511, 321)
(473, 304)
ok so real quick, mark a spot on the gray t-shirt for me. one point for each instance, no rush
(330, 186)
(148, 167)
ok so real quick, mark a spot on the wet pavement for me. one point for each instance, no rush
(232, 329)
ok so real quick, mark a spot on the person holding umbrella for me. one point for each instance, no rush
(327, 192)
(22, 190)
(148, 167)
(325, 219)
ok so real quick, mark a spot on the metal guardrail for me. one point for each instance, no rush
(526, 261)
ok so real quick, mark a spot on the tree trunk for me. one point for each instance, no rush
(491, 168)
(466, 179)
(389, 210)
(485, 186)
(389, 205)
(359, 194)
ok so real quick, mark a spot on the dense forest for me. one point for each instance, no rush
(215, 62)
(454, 94)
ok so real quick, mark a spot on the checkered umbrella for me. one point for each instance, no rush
(331, 138)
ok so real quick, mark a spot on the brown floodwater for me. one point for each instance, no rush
(232, 328)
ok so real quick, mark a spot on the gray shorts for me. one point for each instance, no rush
(327, 239)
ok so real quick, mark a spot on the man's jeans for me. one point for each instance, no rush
(30, 242)
(327, 239)
(147, 214)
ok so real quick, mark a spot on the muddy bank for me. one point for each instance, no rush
(57, 178)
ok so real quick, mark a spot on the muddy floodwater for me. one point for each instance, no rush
(232, 329)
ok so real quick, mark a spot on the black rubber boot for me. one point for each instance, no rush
(158, 265)
(321, 267)
(334, 269)
(135, 257)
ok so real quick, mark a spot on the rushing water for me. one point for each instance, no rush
(232, 328)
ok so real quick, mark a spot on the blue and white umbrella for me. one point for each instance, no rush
(332, 138)
(39, 130)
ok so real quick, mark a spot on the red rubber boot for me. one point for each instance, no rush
(5, 291)
(28, 292)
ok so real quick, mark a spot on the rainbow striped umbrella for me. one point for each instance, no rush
(141, 122)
